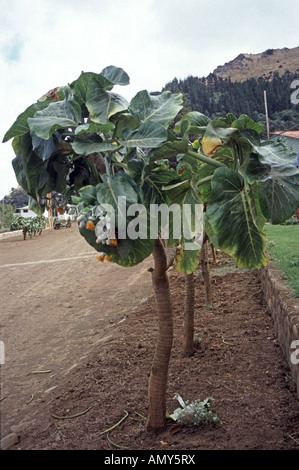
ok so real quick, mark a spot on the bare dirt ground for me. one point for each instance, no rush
(79, 340)
(57, 302)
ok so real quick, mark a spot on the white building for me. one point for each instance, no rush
(26, 212)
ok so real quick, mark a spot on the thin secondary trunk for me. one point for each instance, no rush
(188, 333)
(206, 274)
(156, 420)
(213, 253)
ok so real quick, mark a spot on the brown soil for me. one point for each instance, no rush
(93, 327)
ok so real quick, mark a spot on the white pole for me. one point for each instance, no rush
(266, 111)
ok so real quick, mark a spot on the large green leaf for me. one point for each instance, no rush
(257, 212)
(20, 126)
(116, 186)
(244, 123)
(278, 188)
(231, 218)
(58, 168)
(136, 161)
(45, 148)
(154, 181)
(177, 191)
(187, 261)
(187, 258)
(105, 80)
(275, 153)
(168, 150)
(186, 196)
(216, 135)
(81, 85)
(21, 177)
(183, 192)
(124, 121)
(160, 109)
(86, 144)
(116, 75)
(91, 127)
(36, 207)
(102, 104)
(196, 123)
(31, 172)
(148, 135)
(40, 174)
(88, 194)
(224, 155)
(127, 252)
(59, 114)
(209, 232)
(80, 174)
(109, 77)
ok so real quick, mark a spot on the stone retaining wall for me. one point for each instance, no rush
(14, 233)
(10, 234)
(285, 312)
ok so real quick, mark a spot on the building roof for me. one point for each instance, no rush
(293, 134)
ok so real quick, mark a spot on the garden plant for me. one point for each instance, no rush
(29, 225)
(116, 159)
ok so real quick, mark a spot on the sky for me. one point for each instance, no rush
(48, 43)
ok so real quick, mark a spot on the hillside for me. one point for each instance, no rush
(17, 198)
(238, 87)
(264, 64)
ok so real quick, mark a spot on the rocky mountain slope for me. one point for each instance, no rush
(264, 64)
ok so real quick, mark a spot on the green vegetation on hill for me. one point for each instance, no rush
(216, 96)
(16, 198)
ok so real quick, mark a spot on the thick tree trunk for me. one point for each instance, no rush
(188, 333)
(156, 420)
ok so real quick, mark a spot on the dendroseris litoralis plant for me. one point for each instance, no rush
(85, 141)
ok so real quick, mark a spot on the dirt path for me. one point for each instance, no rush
(57, 303)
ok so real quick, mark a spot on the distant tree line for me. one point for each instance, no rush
(215, 96)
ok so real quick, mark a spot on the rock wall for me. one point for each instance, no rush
(284, 309)
(11, 234)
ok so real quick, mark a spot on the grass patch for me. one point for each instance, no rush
(283, 248)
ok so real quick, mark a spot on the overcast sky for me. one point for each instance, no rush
(47, 43)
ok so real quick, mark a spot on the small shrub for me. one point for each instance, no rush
(195, 413)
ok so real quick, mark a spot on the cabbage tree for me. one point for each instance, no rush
(87, 142)
(255, 181)
(116, 159)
